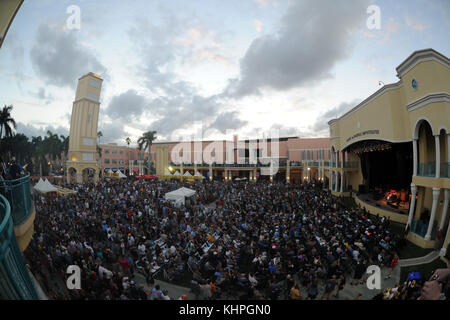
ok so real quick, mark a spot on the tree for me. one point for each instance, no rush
(146, 141)
(128, 141)
(7, 122)
(99, 135)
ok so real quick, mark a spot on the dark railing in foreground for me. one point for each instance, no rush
(15, 281)
(18, 194)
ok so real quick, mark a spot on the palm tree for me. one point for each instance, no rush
(99, 135)
(146, 141)
(6, 121)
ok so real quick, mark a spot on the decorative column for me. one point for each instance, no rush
(79, 176)
(414, 157)
(443, 251)
(181, 169)
(336, 181)
(438, 155)
(433, 212)
(342, 172)
(412, 204)
(288, 172)
(330, 179)
(444, 208)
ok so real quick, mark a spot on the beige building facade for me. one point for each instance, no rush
(402, 131)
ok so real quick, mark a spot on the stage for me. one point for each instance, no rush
(403, 207)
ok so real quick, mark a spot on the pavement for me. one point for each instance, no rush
(421, 260)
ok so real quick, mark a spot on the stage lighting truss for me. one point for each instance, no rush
(369, 146)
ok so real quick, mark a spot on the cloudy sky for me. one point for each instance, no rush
(175, 66)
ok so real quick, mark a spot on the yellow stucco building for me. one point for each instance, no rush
(399, 136)
(82, 163)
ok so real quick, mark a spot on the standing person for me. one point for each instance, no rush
(313, 289)
(392, 265)
(295, 293)
(329, 288)
(340, 285)
(359, 271)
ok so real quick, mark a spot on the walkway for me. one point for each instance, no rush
(421, 260)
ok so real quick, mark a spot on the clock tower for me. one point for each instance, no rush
(82, 165)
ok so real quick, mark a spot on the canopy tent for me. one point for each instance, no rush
(121, 175)
(187, 174)
(167, 176)
(45, 186)
(177, 174)
(179, 195)
(198, 175)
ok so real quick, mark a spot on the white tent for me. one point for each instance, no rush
(121, 175)
(45, 186)
(168, 173)
(198, 174)
(179, 195)
(187, 174)
(177, 173)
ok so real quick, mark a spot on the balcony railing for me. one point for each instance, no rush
(18, 194)
(427, 169)
(445, 170)
(351, 164)
(420, 228)
(295, 164)
(15, 281)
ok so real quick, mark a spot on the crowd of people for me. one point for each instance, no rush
(240, 240)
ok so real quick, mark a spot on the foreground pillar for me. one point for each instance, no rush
(436, 192)
(444, 208)
(412, 204)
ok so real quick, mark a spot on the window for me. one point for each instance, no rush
(114, 152)
(114, 161)
(88, 142)
(106, 151)
(88, 156)
(106, 161)
(121, 151)
(94, 83)
(92, 96)
(120, 161)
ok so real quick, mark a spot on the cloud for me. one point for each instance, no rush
(173, 102)
(58, 57)
(126, 106)
(414, 24)
(313, 37)
(31, 130)
(112, 132)
(391, 27)
(228, 120)
(42, 94)
(258, 25)
(321, 124)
